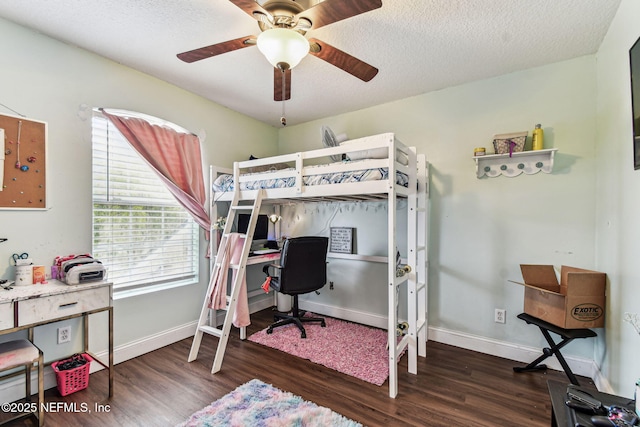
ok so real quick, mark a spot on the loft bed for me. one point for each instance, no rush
(307, 175)
(363, 175)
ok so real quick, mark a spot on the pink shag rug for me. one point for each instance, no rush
(350, 348)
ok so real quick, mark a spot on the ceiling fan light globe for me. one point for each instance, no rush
(283, 46)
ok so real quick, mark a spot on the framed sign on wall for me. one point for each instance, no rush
(341, 240)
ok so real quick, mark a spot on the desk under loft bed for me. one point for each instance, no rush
(386, 170)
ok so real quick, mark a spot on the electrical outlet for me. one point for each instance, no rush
(500, 315)
(64, 334)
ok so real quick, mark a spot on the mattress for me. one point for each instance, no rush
(224, 183)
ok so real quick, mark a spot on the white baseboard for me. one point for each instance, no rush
(521, 353)
(602, 383)
(362, 317)
(506, 350)
(254, 306)
(13, 389)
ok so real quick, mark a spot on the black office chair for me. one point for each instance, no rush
(302, 269)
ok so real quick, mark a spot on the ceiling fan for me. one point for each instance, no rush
(292, 19)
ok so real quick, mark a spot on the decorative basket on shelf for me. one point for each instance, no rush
(509, 142)
(72, 374)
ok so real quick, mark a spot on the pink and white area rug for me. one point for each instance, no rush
(350, 348)
(259, 404)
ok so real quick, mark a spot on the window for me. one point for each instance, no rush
(145, 239)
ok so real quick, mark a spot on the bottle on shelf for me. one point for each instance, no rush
(538, 138)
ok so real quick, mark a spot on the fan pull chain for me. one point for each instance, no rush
(283, 119)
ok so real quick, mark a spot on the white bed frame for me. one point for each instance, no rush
(416, 194)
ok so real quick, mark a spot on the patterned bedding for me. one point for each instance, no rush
(225, 182)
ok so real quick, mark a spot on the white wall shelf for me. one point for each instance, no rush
(529, 162)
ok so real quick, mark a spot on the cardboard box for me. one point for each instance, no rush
(577, 302)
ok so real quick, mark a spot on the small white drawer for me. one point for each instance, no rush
(6, 315)
(56, 306)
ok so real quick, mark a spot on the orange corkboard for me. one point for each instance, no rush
(23, 160)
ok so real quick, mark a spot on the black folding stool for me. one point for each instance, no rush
(567, 335)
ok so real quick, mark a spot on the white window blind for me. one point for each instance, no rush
(145, 239)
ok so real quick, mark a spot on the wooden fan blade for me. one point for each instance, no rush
(277, 84)
(330, 11)
(250, 6)
(342, 60)
(217, 49)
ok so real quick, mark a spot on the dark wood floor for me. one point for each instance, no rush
(454, 387)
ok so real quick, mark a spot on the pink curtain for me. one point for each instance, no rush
(174, 156)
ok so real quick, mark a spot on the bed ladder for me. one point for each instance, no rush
(232, 299)
(418, 284)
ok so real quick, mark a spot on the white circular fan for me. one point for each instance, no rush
(330, 140)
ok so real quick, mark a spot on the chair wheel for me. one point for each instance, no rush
(270, 330)
(323, 324)
(303, 335)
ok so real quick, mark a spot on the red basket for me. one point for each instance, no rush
(72, 380)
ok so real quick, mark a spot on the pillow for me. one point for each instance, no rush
(375, 153)
(266, 168)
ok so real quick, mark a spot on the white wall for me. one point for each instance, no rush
(359, 292)
(482, 229)
(49, 81)
(618, 204)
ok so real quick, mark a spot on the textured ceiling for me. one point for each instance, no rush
(418, 45)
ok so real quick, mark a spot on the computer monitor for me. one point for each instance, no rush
(262, 226)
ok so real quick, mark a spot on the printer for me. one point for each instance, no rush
(81, 269)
